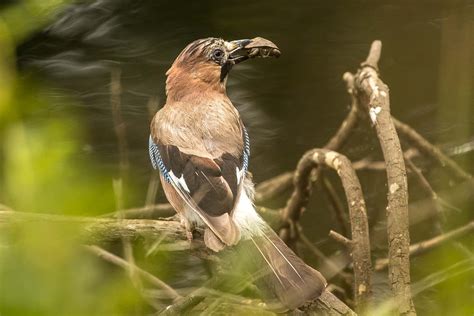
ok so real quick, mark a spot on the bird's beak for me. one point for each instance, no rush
(241, 50)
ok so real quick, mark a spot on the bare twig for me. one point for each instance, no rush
(437, 201)
(430, 150)
(421, 178)
(426, 186)
(426, 245)
(110, 257)
(336, 204)
(341, 239)
(184, 304)
(318, 253)
(373, 165)
(360, 245)
(367, 164)
(298, 200)
(373, 96)
(345, 130)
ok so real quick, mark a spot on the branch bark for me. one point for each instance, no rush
(340, 239)
(328, 304)
(96, 230)
(360, 244)
(373, 96)
(337, 205)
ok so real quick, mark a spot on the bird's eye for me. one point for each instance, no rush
(218, 54)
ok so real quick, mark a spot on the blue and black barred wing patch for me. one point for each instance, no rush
(156, 160)
(246, 153)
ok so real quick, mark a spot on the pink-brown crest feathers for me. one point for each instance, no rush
(197, 70)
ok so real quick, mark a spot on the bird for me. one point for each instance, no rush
(201, 147)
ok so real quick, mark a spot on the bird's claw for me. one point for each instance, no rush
(189, 228)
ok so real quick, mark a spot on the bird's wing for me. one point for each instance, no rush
(210, 187)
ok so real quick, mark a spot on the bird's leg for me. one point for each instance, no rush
(188, 227)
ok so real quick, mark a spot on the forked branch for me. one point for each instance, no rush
(360, 244)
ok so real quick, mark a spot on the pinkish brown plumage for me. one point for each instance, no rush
(199, 143)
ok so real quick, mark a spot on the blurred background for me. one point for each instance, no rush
(64, 65)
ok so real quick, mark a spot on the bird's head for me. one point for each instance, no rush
(204, 64)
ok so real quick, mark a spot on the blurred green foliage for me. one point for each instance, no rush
(39, 169)
(43, 268)
(26, 16)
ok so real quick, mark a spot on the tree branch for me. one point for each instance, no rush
(96, 230)
(328, 304)
(341, 239)
(336, 203)
(373, 96)
(360, 244)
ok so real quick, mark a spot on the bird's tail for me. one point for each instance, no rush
(284, 277)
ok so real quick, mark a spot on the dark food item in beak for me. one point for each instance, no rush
(261, 47)
(254, 48)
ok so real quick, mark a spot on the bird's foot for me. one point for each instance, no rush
(189, 237)
(189, 228)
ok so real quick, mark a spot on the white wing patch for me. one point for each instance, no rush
(180, 181)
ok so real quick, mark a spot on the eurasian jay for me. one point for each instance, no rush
(201, 148)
